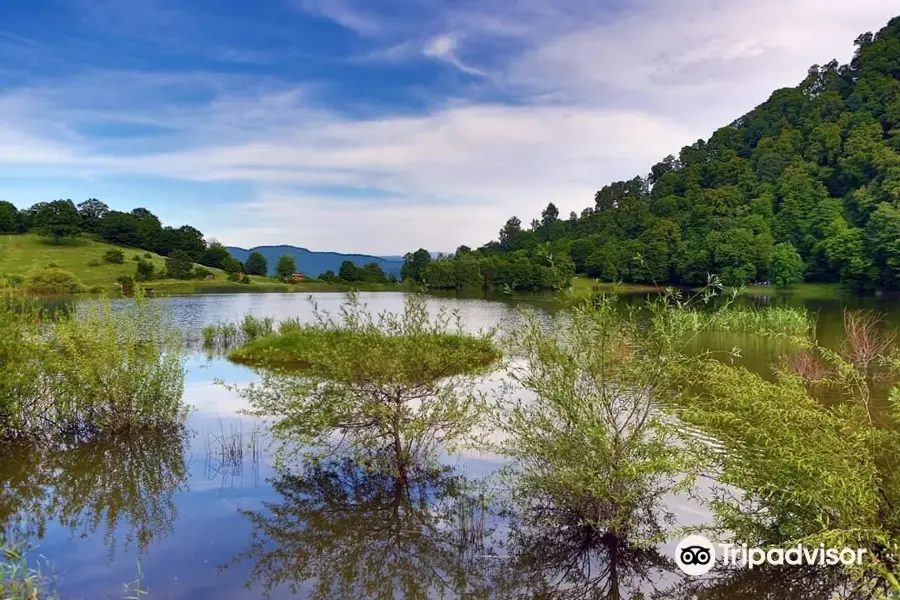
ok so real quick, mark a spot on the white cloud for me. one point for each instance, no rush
(443, 47)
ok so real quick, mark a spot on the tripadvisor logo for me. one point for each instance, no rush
(696, 555)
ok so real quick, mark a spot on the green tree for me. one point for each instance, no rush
(232, 265)
(92, 213)
(413, 265)
(787, 266)
(215, 255)
(179, 265)
(57, 220)
(349, 271)
(145, 271)
(285, 266)
(256, 264)
(373, 273)
(9, 217)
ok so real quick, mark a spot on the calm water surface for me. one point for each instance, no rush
(203, 527)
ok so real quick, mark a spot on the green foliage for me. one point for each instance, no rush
(395, 383)
(115, 256)
(816, 167)
(413, 265)
(816, 473)
(588, 445)
(52, 281)
(18, 580)
(109, 368)
(10, 221)
(256, 264)
(787, 266)
(57, 220)
(144, 270)
(126, 282)
(216, 256)
(232, 265)
(179, 265)
(285, 266)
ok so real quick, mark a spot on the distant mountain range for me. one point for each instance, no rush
(313, 264)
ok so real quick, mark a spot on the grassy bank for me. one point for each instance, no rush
(585, 284)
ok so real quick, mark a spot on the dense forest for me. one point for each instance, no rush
(804, 187)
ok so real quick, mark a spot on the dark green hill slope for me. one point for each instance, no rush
(811, 175)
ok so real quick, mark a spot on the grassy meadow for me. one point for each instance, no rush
(21, 254)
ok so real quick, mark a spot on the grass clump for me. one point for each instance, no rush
(108, 367)
(733, 319)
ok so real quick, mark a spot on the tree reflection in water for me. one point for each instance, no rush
(116, 483)
(343, 531)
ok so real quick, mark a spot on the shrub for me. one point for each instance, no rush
(202, 272)
(589, 449)
(115, 256)
(126, 282)
(109, 368)
(136, 257)
(94, 263)
(393, 387)
(145, 271)
(52, 280)
(147, 255)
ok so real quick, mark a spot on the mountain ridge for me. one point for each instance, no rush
(313, 263)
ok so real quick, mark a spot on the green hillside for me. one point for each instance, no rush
(805, 187)
(83, 257)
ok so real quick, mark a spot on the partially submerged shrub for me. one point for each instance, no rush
(589, 446)
(795, 470)
(52, 280)
(401, 382)
(106, 368)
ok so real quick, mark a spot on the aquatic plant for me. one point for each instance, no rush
(108, 367)
(19, 580)
(587, 441)
(366, 382)
(733, 319)
(807, 472)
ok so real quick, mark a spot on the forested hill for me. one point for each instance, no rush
(807, 185)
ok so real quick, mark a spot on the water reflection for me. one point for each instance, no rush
(108, 485)
(580, 563)
(343, 531)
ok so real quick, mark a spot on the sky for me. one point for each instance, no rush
(381, 126)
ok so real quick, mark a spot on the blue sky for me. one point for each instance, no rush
(381, 126)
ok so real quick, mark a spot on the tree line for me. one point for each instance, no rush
(805, 187)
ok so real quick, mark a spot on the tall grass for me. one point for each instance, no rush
(227, 335)
(108, 367)
(777, 320)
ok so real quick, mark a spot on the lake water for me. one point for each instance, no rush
(202, 525)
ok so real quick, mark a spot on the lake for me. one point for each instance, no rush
(208, 515)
